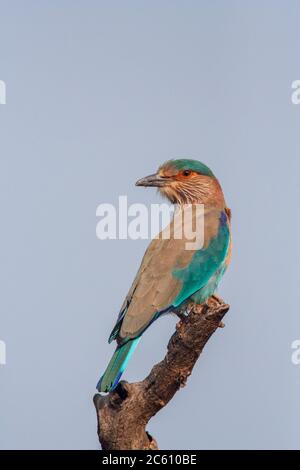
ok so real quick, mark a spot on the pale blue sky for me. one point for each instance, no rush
(99, 94)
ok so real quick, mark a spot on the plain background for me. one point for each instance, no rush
(99, 93)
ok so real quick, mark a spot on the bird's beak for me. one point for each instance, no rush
(152, 180)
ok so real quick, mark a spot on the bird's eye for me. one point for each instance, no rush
(186, 172)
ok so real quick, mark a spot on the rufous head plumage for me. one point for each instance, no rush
(186, 181)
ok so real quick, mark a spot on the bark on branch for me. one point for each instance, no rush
(123, 414)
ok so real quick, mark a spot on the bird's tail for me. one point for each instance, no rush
(117, 365)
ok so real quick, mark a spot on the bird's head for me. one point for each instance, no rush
(185, 181)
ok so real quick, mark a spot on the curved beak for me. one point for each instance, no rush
(152, 180)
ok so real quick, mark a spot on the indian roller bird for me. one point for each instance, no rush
(172, 276)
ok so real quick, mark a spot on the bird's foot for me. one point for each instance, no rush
(215, 300)
(182, 312)
(197, 308)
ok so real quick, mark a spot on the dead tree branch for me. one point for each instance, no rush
(123, 414)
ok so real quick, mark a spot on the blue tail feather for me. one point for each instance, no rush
(116, 366)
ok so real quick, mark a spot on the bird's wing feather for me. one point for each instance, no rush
(169, 274)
